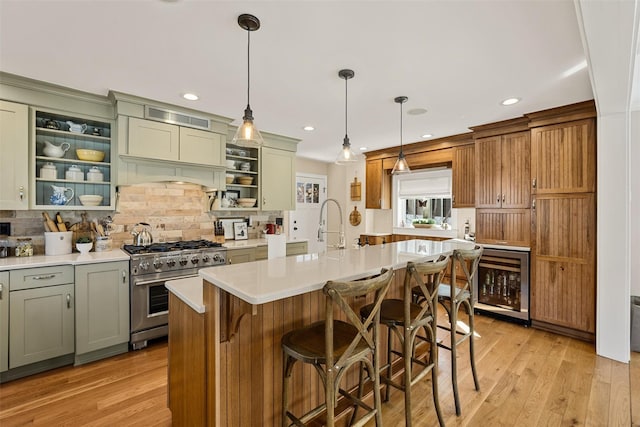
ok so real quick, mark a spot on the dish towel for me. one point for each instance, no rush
(276, 246)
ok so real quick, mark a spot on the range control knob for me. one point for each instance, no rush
(216, 257)
(171, 262)
(157, 263)
(183, 261)
(195, 260)
(205, 258)
(144, 265)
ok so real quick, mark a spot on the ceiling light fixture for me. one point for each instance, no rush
(248, 134)
(401, 165)
(346, 154)
(308, 128)
(427, 135)
(510, 101)
(190, 96)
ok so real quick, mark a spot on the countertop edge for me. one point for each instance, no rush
(189, 291)
(17, 263)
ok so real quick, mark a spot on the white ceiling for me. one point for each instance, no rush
(456, 59)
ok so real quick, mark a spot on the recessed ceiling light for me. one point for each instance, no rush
(416, 111)
(510, 101)
(363, 148)
(308, 128)
(190, 96)
(427, 135)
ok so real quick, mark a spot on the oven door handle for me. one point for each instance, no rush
(149, 282)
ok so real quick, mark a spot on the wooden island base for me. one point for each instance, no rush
(225, 366)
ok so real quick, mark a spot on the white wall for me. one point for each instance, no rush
(635, 202)
(339, 187)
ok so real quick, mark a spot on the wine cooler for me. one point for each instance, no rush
(501, 284)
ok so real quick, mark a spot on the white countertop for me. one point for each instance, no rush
(253, 243)
(264, 281)
(189, 290)
(14, 263)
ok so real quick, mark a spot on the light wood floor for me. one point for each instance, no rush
(527, 377)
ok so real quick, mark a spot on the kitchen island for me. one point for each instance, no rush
(225, 365)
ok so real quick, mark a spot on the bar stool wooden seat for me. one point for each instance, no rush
(452, 298)
(405, 319)
(332, 346)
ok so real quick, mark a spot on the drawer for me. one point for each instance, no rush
(297, 248)
(262, 252)
(40, 277)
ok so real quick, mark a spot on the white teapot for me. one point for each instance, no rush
(52, 150)
(77, 128)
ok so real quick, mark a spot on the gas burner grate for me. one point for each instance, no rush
(171, 246)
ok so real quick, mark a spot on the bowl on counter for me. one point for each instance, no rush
(245, 180)
(246, 202)
(90, 155)
(90, 199)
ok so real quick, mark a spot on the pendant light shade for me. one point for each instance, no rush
(401, 165)
(346, 154)
(248, 134)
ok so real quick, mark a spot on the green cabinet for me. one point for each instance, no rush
(102, 308)
(4, 321)
(277, 178)
(297, 248)
(14, 161)
(237, 256)
(41, 314)
(162, 141)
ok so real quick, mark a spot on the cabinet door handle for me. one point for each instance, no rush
(264, 201)
(47, 277)
(68, 300)
(21, 192)
(533, 204)
(124, 276)
(502, 198)
(534, 182)
(1, 290)
(453, 199)
(498, 198)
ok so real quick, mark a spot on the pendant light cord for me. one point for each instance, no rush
(346, 102)
(401, 128)
(248, 63)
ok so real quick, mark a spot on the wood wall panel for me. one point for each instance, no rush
(564, 157)
(564, 294)
(255, 400)
(464, 176)
(563, 290)
(488, 225)
(488, 172)
(516, 170)
(516, 226)
(187, 389)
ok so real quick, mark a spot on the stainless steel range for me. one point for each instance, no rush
(151, 266)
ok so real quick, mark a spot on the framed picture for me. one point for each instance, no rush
(232, 196)
(240, 230)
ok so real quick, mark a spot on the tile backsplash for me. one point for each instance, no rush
(174, 211)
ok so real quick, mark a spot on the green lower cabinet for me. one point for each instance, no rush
(102, 310)
(238, 256)
(297, 248)
(42, 324)
(4, 321)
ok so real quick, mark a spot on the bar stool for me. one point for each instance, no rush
(332, 346)
(452, 298)
(396, 313)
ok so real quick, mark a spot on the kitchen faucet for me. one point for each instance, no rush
(341, 243)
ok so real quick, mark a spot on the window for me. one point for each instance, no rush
(421, 195)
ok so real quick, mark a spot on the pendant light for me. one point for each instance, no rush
(346, 155)
(401, 165)
(248, 134)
